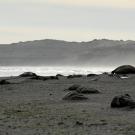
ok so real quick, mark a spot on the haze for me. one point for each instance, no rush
(81, 20)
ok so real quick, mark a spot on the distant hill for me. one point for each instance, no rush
(55, 52)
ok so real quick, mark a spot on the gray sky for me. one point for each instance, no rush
(78, 20)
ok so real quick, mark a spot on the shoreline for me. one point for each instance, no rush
(46, 71)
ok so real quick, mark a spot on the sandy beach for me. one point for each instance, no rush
(67, 67)
(36, 107)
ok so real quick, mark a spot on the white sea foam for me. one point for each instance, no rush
(46, 71)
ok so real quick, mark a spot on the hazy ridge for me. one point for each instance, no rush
(55, 52)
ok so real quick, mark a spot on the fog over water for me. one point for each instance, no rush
(46, 71)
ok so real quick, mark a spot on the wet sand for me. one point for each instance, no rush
(35, 107)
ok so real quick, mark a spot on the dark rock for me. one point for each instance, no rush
(122, 101)
(28, 74)
(74, 96)
(4, 82)
(125, 69)
(78, 123)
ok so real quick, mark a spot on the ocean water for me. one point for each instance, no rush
(46, 71)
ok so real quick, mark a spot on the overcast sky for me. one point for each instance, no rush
(72, 20)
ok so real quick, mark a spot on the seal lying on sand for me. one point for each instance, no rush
(125, 69)
(28, 74)
(4, 82)
(74, 96)
(122, 101)
(82, 89)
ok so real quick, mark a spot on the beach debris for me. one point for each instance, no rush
(74, 96)
(124, 77)
(125, 69)
(4, 82)
(28, 74)
(122, 101)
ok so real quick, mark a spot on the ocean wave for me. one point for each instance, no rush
(46, 71)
